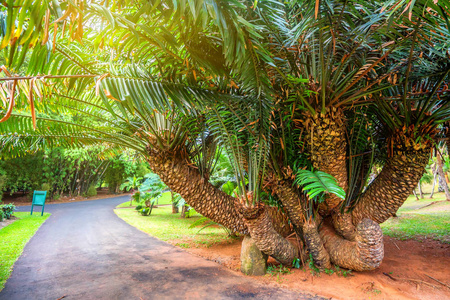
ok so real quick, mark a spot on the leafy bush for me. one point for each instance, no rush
(189, 211)
(8, 210)
(146, 211)
(1, 216)
(45, 187)
(91, 192)
(57, 171)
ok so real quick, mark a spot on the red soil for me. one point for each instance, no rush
(407, 261)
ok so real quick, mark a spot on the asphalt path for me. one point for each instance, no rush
(84, 251)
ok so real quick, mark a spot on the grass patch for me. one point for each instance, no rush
(416, 226)
(13, 239)
(170, 227)
(166, 198)
(416, 220)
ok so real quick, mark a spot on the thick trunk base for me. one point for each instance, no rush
(267, 239)
(363, 254)
(315, 246)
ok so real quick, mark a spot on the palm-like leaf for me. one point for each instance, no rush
(316, 182)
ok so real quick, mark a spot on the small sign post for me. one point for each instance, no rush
(39, 200)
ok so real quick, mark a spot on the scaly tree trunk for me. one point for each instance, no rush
(326, 139)
(206, 199)
(265, 237)
(315, 245)
(280, 221)
(307, 231)
(392, 186)
(291, 203)
(363, 254)
(442, 176)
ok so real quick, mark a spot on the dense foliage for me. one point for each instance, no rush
(72, 171)
(280, 90)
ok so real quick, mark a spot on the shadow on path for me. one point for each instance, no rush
(84, 251)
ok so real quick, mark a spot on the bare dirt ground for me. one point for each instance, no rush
(6, 222)
(408, 262)
(19, 199)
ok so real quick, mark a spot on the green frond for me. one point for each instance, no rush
(315, 183)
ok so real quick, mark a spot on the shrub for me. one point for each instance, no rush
(8, 210)
(145, 211)
(45, 187)
(91, 192)
(1, 216)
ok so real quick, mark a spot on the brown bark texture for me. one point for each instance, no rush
(343, 224)
(206, 199)
(280, 220)
(291, 201)
(392, 186)
(266, 238)
(326, 138)
(363, 254)
(315, 246)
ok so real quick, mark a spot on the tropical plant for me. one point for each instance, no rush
(279, 86)
(131, 183)
(8, 210)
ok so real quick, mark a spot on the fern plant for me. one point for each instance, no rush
(317, 183)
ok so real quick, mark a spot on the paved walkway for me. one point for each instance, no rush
(84, 251)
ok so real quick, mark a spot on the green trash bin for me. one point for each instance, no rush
(39, 200)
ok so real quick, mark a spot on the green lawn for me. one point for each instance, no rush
(166, 198)
(417, 220)
(170, 227)
(13, 239)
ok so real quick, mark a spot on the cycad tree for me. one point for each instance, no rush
(281, 87)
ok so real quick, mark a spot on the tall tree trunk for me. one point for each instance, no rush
(414, 192)
(442, 176)
(393, 185)
(363, 254)
(206, 199)
(420, 190)
(433, 186)
(441, 181)
(326, 139)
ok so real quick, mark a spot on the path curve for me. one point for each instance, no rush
(84, 251)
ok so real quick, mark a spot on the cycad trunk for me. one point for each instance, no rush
(265, 237)
(307, 230)
(364, 253)
(206, 199)
(393, 185)
(327, 143)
